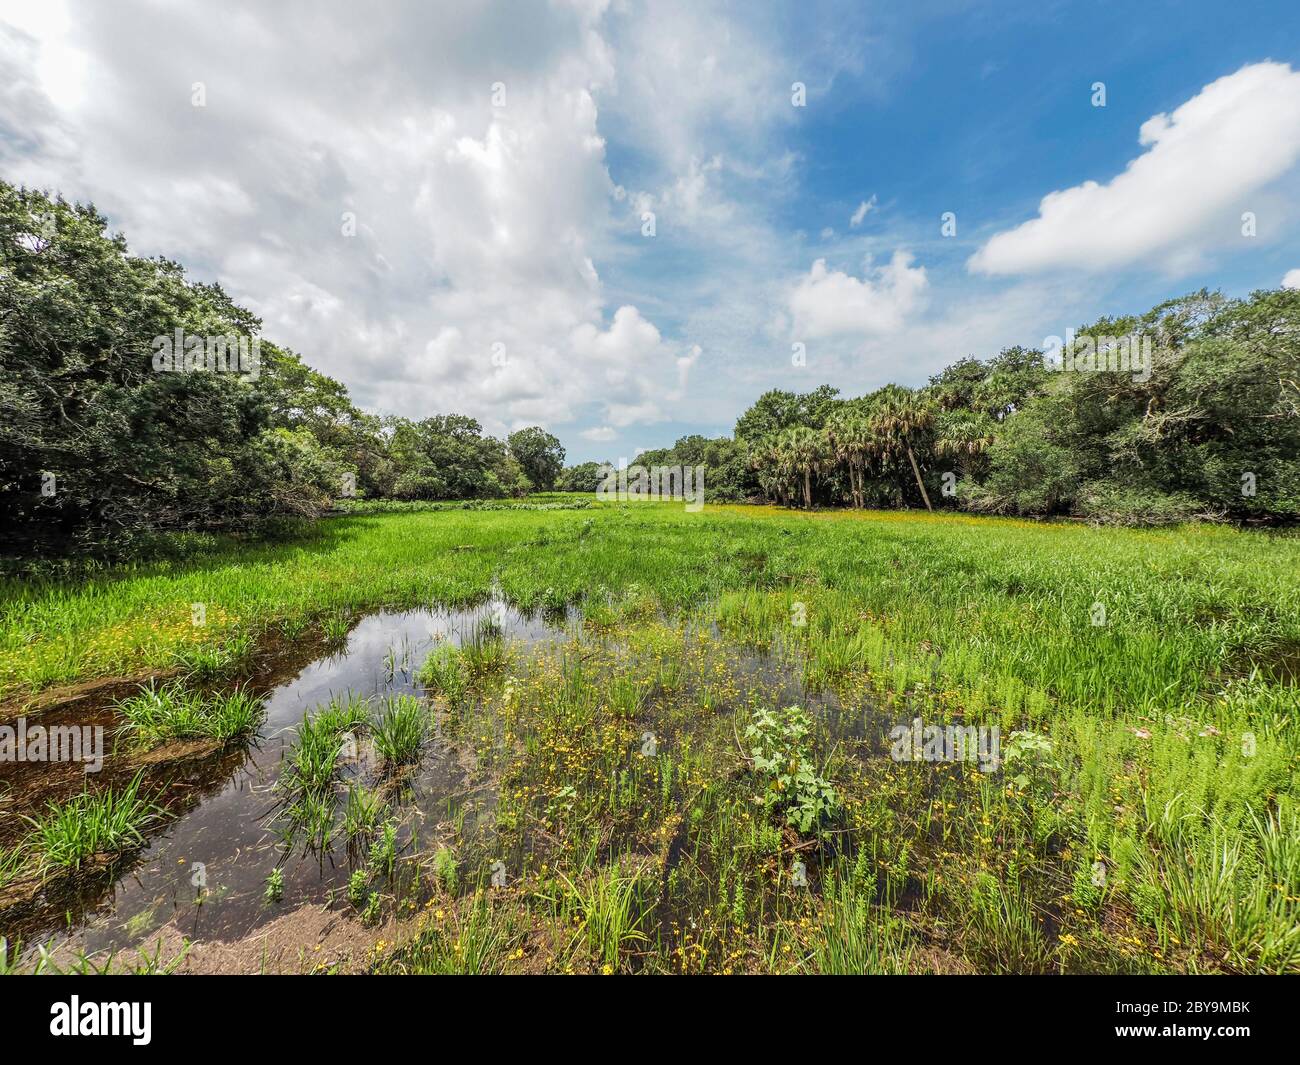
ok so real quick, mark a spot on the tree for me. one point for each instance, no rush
(803, 452)
(903, 415)
(540, 454)
(102, 442)
(964, 435)
(848, 438)
(584, 477)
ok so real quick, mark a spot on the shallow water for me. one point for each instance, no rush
(204, 870)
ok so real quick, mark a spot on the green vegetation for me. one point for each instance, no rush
(1208, 428)
(172, 711)
(101, 451)
(400, 729)
(274, 885)
(696, 776)
(105, 822)
(104, 443)
(780, 753)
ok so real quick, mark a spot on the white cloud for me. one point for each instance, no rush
(1292, 279)
(832, 303)
(1179, 199)
(864, 207)
(477, 227)
(598, 433)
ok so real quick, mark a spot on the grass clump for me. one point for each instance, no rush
(445, 673)
(477, 939)
(174, 711)
(204, 661)
(93, 823)
(400, 729)
(361, 812)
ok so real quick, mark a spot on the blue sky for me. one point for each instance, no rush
(497, 162)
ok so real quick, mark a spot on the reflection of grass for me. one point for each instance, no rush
(101, 822)
(175, 712)
(12, 862)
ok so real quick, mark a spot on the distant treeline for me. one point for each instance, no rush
(1190, 411)
(109, 433)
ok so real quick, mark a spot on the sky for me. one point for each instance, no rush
(624, 222)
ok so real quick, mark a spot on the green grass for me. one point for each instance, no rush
(610, 913)
(486, 651)
(173, 711)
(12, 864)
(400, 729)
(93, 823)
(307, 785)
(477, 940)
(444, 673)
(1160, 747)
(200, 662)
(854, 936)
(361, 812)
(313, 761)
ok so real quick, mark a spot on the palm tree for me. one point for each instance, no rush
(803, 454)
(765, 460)
(848, 438)
(901, 415)
(964, 435)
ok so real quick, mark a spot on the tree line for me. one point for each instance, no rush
(1207, 428)
(103, 441)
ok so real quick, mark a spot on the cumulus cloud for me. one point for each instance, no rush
(1177, 200)
(833, 303)
(362, 188)
(1292, 279)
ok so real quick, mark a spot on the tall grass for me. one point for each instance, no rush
(400, 729)
(173, 711)
(854, 936)
(93, 823)
(476, 940)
